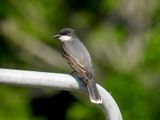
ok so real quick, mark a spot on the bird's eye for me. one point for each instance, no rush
(63, 33)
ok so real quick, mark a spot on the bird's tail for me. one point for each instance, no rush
(93, 92)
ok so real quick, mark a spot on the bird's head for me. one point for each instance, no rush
(65, 34)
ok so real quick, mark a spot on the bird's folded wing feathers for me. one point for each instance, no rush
(74, 62)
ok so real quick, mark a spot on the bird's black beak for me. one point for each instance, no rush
(56, 36)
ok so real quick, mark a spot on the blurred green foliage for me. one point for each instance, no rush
(122, 37)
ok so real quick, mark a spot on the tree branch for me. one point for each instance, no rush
(58, 81)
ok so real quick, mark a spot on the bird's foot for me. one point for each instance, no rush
(75, 74)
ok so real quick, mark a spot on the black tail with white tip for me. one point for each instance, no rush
(93, 92)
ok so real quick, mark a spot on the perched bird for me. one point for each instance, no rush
(80, 61)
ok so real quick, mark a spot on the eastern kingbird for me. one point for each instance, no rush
(79, 59)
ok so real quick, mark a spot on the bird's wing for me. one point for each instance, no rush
(75, 63)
